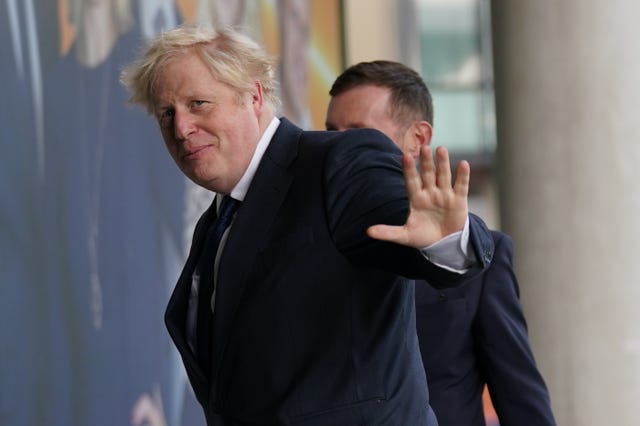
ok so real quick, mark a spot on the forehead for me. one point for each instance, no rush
(183, 75)
(183, 66)
(362, 105)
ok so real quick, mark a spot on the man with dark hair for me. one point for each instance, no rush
(471, 335)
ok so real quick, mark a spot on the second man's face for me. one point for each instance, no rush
(363, 107)
(210, 130)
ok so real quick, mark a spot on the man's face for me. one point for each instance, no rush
(364, 106)
(210, 130)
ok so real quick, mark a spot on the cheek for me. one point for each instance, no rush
(241, 136)
(243, 150)
(166, 136)
(241, 155)
(167, 143)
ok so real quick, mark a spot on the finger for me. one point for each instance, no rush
(443, 168)
(427, 167)
(394, 234)
(411, 177)
(463, 177)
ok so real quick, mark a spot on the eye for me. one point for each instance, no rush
(198, 103)
(167, 113)
(165, 117)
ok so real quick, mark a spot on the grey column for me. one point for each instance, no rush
(567, 75)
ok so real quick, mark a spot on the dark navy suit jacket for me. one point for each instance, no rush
(476, 334)
(313, 323)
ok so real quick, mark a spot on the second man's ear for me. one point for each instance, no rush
(419, 133)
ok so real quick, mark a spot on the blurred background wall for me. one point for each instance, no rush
(95, 219)
(542, 97)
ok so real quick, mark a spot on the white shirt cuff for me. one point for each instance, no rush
(452, 252)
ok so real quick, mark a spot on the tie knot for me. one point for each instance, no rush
(228, 207)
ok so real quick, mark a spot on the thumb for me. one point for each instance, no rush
(394, 234)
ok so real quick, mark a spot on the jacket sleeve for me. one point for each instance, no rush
(364, 186)
(518, 391)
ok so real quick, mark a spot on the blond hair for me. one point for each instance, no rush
(233, 58)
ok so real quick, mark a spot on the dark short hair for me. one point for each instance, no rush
(410, 97)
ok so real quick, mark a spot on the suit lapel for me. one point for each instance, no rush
(264, 198)
(176, 313)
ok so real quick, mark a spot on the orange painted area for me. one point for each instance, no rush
(187, 10)
(490, 416)
(326, 59)
(67, 31)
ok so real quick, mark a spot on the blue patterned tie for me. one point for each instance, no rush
(207, 260)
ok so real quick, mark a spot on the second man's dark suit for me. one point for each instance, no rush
(474, 334)
(313, 323)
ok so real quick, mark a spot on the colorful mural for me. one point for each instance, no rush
(95, 217)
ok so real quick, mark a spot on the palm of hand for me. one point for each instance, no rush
(436, 208)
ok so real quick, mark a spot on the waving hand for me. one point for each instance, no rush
(436, 207)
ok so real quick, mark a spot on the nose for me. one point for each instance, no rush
(183, 125)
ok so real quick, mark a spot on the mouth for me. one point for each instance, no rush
(193, 153)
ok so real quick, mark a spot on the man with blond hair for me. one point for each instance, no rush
(299, 313)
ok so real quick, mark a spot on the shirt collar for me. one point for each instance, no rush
(240, 190)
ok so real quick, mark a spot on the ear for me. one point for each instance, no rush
(418, 134)
(257, 96)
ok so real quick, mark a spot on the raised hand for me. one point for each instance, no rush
(436, 208)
